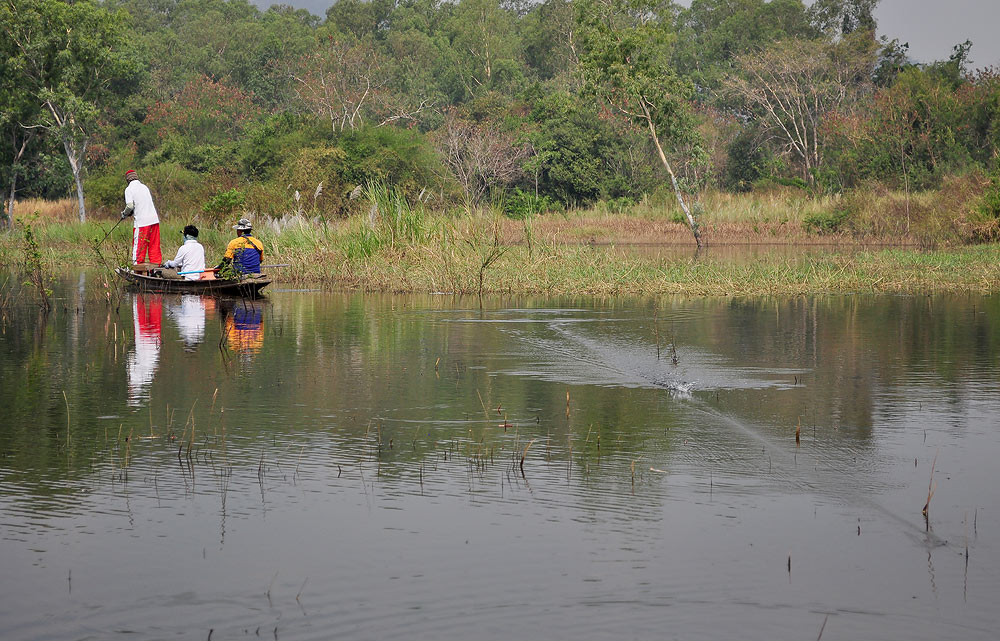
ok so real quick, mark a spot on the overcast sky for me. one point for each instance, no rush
(932, 27)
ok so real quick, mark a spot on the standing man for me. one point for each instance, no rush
(146, 227)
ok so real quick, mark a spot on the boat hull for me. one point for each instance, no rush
(246, 287)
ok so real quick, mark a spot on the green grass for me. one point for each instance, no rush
(408, 250)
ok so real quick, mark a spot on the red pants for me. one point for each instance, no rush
(146, 239)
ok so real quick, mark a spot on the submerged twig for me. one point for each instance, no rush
(822, 627)
(931, 486)
(524, 454)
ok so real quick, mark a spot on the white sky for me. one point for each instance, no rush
(932, 27)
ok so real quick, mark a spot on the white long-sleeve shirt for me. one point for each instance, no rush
(190, 258)
(138, 195)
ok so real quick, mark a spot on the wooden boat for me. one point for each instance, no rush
(248, 287)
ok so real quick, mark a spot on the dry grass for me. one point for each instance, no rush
(49, 211)
(926, 218)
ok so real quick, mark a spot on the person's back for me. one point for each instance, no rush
(245, 251)
(146, 224)
(138, 196)
(190, 259)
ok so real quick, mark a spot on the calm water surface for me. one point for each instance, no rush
(349, 466)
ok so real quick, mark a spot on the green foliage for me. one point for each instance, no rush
(989, 203)
(228, 271)
(392, 223)
(400, 157)
(745, 162)
(188, 153)
(780, 181)
(268, 144)
(105, 191)
(580, 157)
(482, 35)
(45, 175)
(714, 32)
(623, 203)
(75, 60)
(175, 189)
(34, 266)
(396, 220)
(917, 131)
(546, 36)
(986, 212)
(209, 98)
(828, 222)
(843, 17)
(224, 203)
(522, 205)
(627, 65)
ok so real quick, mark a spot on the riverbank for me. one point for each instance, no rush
(582, 253)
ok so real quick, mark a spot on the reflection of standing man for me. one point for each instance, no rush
(146, 228)
(141, 364)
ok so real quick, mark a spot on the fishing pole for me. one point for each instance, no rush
(215, 269)
(111, 230)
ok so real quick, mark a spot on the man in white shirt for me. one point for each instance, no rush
(146, 226)
(190, 260)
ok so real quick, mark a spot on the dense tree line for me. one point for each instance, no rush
(551, 104)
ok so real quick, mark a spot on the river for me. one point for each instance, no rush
(344, 465)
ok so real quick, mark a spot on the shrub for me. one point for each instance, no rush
(224, 203)
(174, 187)
(745, 162)
(827, 222)
(183, 151)
(522, 205)
(985, 217)
(105, 192)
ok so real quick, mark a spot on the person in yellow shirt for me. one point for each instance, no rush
(244, 252)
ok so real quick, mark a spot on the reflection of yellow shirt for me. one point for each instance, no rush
(245, 331)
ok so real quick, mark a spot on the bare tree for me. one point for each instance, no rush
(339, 81)
(792, 85)
(479, 155)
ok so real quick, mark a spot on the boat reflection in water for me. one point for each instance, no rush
(147, 314)
(189, 313)
(243, 325)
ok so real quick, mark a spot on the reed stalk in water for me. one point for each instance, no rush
(524, 454)
(66, 400)
(822, 627)
(931, 486)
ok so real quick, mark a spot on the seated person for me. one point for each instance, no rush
(244, 252)
(190, 260)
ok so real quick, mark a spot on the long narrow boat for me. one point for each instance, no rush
(246, 287)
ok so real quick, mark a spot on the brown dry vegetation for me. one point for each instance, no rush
(49, 211)
(778, 216)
